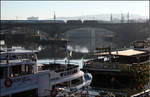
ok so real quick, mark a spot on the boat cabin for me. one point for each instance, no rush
(128, 56)
(18, 72)
(140, 44)
(121, 60)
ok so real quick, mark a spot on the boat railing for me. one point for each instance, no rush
(60, 62)
(67, 72)
(64, 62)
(59, 66)
(16, 61)
(108, 65)
(69, 67)
(118, 66)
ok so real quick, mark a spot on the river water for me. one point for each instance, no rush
(78, 62)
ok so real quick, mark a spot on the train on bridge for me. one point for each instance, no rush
(54, 21)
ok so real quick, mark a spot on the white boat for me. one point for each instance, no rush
(68, 76)
(18, 73)
(21, 77)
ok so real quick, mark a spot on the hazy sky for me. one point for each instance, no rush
(45, 9)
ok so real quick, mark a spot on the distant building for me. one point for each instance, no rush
(32, 18)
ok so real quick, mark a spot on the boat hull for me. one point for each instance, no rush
(115, 80)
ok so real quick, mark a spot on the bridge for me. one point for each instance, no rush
(58, 28)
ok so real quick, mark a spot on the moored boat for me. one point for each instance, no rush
(68, 76)
(126, 70)
(21, 77)
(18, 73)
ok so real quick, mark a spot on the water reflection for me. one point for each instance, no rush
(75, 61)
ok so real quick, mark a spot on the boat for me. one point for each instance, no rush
(21, 75)
(142, 45)
(126, 70)
(66, 76)
(18, 73)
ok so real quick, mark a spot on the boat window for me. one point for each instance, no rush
(28, 69)
(61, 74)
(64, 84)
(21, 70)
(75, 71)
(15, 71)
(3, 72)
(77, 81)
(3, 57)
(13, 57)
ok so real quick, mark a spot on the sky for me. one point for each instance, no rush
(45, 9)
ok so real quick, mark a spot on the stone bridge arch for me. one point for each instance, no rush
(55, 28)
(89, 38)
(108, 26)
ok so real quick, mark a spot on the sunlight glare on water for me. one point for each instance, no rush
(62, 61)
(78, 49)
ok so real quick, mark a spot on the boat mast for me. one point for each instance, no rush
(69, 54)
